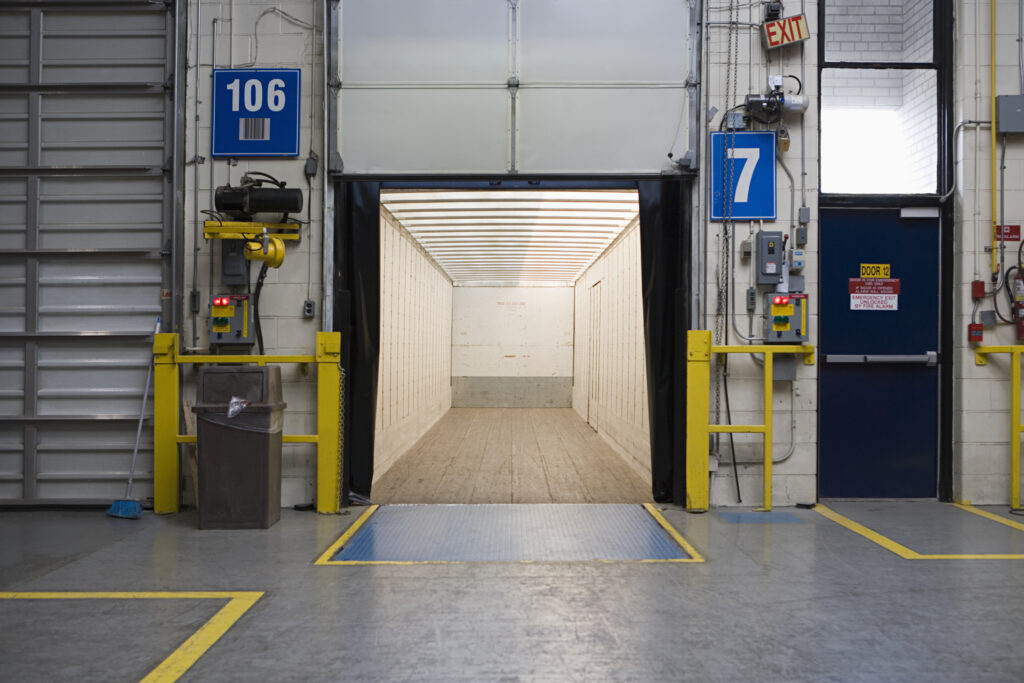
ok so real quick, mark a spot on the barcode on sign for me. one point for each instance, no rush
(254, 129)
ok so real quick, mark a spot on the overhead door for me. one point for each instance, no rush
(85, 196)
(515, 86)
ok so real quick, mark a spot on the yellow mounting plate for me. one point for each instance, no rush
(240, 230)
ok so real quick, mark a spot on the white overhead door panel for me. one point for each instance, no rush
(418, 130)
(85, 115)
(492, 86)
(602, 84)
(597, 130)
(423, 84)
(603, 41)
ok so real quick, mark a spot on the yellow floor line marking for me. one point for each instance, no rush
(189, 652)
(905, 552)
(988, 515)
(325, 558)
(676, 536)
(857, 528)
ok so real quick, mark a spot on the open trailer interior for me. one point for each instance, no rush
(512, 363)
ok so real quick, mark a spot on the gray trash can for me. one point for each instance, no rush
(239, 457)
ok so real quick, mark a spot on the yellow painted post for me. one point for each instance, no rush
(698, 381)
(328, 422)
(769, 365)
(165, 423)
(1015, 430)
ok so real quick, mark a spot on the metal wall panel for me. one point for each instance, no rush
(414, 385)
(84, 204)
(493, 86)
(615, 401)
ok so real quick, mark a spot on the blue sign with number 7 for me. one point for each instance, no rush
(742, 181)
(255, 113)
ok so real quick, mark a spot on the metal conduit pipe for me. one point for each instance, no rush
(176, 233)
(213, 65)
(996, 233)
(195, 176)
(792, 436)
(792, 197)
(803, 132)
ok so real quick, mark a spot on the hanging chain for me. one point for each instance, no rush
(727, 225)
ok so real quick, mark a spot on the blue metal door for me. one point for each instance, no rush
(879, 336)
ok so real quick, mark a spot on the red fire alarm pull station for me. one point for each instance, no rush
(977, 289)
(974, 333)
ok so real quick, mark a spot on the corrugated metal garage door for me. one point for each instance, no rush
(85, 130)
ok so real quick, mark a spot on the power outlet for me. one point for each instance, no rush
(308, 308)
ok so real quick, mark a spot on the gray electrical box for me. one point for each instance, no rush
(785, 318)
(231, 320)
(1010, 114)
(770, 256)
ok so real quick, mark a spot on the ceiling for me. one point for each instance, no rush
(513, 237)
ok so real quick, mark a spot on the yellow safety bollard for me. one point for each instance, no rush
(698, 379)
(1016, 428)
(165, 423)
(166, 416)
(329, 422)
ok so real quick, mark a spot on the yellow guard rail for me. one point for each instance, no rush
(980, 353)
(698, 428)
(166, 421)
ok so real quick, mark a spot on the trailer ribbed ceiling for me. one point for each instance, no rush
(513, 237)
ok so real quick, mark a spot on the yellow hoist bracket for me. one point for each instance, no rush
(263, 241)
(167, 406)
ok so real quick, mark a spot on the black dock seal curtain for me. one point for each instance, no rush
(357, 317)
(665, 269)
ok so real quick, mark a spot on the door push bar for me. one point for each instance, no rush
(929, 358)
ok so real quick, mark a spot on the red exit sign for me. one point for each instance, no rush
(785, 31)
(1011, 233)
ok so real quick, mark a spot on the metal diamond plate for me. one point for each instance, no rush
(510, 533)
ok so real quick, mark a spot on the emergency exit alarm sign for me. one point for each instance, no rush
(785, 31)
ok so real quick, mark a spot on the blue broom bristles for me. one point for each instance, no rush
(125, 509)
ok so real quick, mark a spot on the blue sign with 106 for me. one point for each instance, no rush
(742, 183)
(255, 113)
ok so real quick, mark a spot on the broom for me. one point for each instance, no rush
(128, 507)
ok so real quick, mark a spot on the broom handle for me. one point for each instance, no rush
(142, 415)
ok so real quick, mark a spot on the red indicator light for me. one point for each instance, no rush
(781, 300)
(220, 301)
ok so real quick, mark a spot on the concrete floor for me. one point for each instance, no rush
(511, 455)
(803, 601)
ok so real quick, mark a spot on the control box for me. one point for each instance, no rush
(231, 320)
(770, 256)
(785, 318)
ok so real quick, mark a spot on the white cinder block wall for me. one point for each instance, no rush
(981, 417)
(414, 380)
(794, 478)
(279, 34)
(610, 374)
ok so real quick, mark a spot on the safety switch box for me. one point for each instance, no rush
(231, 320)
(770, 257)
(785, 318)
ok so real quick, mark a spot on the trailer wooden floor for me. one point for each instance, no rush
(511, 455)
